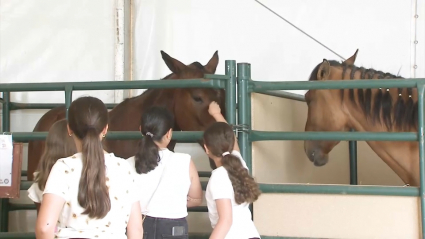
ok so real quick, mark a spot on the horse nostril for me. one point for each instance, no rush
(311, 156)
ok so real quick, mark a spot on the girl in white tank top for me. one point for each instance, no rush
(167, 182)
(58, 145)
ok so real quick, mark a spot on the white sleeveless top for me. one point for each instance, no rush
(34, 192)
(220, 187)
(170, 198)
(64, 181)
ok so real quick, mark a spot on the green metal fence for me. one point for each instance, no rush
(227, 82)
(246, 86)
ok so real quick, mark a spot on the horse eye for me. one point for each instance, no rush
(197, 99)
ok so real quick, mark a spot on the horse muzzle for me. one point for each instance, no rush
(317, 157)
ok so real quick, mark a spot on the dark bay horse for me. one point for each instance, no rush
(189, 106)
(373, 110)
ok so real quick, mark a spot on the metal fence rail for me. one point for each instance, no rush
(227, 82)
(182, 137)
(340, 189)
(246, 86)
(18, 235)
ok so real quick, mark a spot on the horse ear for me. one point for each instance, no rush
(350, 61)
(324, 70)
(211, 66)
(174, 65)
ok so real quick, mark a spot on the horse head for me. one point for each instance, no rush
(325, 111)
(191, 105)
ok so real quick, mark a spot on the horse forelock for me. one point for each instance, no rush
(398, 111)
(198, 65)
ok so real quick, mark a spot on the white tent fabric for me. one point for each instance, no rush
(53, 41)
(247, 32)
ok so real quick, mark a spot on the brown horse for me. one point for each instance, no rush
(189, 106)
(373, 110)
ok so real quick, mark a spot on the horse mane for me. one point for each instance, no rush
(403, 114)
(196, 64)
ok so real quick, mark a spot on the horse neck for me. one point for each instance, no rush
(399, 156)
(149, 93)
(358, 120)
(162, 97)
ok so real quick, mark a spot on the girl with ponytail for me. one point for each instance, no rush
(90, 194)
(230, 189)
(58, 145)
(168, 182)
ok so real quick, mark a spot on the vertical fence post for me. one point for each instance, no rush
(4, 209)
(421, 89)
(231, 92)
(244, 115)
(6, 112)
(244, 111)
(352, 148)
(68, 98)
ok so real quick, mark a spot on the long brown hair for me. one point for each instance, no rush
(58, 145)
(219, 138)
(155, 123)
(87, 117)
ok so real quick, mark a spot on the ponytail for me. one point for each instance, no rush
(93, 194)
(244, 186)
(147, 156)
(154, 124)
(220, 140)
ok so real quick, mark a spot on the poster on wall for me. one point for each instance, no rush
(6, 160)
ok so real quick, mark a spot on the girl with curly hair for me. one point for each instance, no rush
(230, 189)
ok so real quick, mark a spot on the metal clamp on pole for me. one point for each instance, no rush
(241, 128)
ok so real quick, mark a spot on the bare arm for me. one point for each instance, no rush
(135, 222)
(225, 214)
(51, 206)
(194, 196)
(215, 112)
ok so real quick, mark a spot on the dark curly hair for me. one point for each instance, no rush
(155, 123)
(219, 138)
